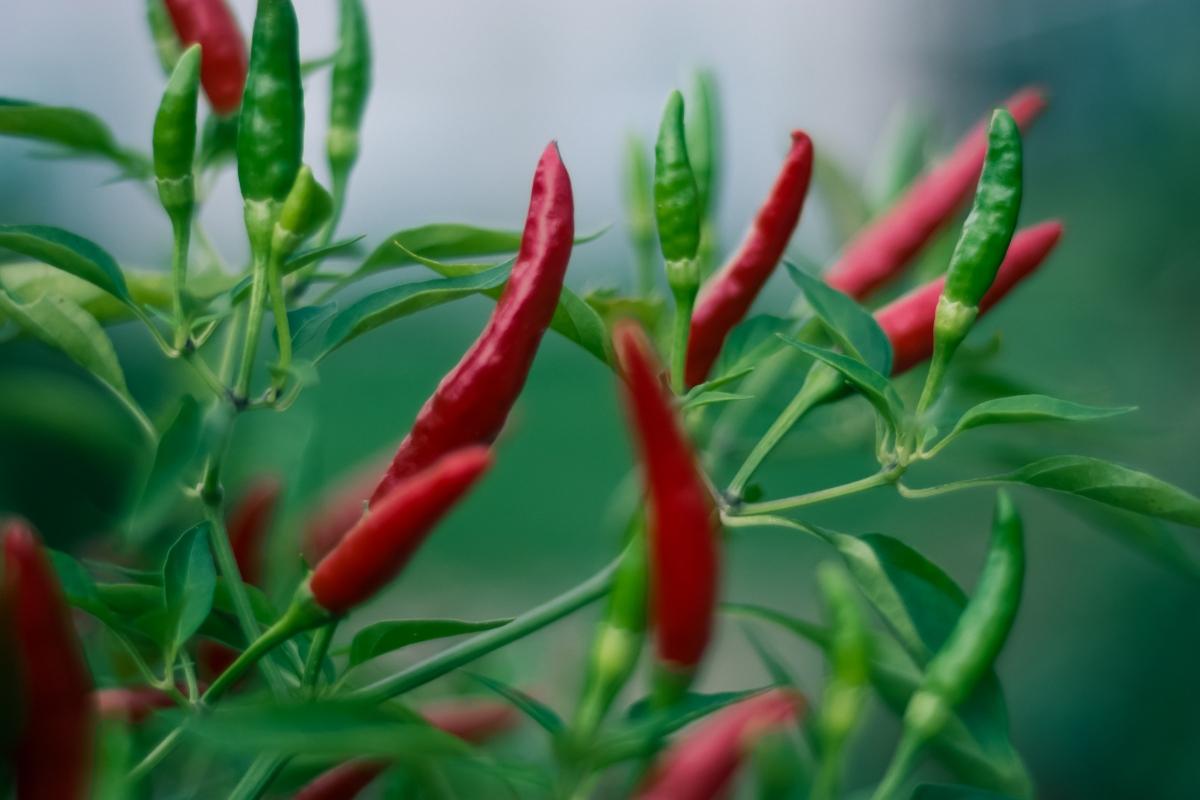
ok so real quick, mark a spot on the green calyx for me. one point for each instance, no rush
(174, 137)
(271, 125)
(307, 207)
(676, 196)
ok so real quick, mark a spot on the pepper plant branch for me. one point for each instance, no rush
(881, 478)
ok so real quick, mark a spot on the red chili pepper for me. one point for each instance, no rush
(130, 704)
(338, 509)
(473, 721)
(223, 60)
(908, 320)
(683, 524)
(728, 296)
(383, 540)
(472, 402)
(249, 523)
(887, 245)
(54, 753)
(701, 765)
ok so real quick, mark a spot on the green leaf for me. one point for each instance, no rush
(446, 241)
(851, 326)
(581, 324)
(311, 66)
(389, 636)
(78, 132)
(306, 257)
(1031, 408)
(189, 580)
(545, 717)
(1149, 536)
(306, 324)
(176, 450)
(78, 586)
(398, 301)
(874, 387)
(1094, 479)
(323, 728)
(710, 398)
(63, 325)
(772, 663)
(68, 252)
(750, 342)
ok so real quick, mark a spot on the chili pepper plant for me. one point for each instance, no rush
(166, 667)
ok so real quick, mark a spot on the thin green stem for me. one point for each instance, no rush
(254, 316)
(316, 654)
(258, 778)
(881, 478)
(454, 657)
(821, 384)
(770, 521)
(946, 488)
(181, 228)
(680, 329)
(283, 332)
(903, 762)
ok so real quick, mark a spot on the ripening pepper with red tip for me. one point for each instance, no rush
(471, 404)
(726, 298)
(887, 245)
(701, 765)
(223, 58)
(56, 734)
(382, 542)
(683, 524)
(908, 321)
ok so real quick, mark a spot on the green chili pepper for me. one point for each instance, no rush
(271, 125)
(981, 247)
(971, 647)
(174, 158)
(166, 42)
(677, 210)
(846, 689)
(639, 209)
(351, 83)
(618, 640)
(304, 211)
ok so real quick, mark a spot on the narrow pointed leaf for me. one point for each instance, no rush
(545, 717)
(189, 580)
(851, 326)
(68, 252)
(386, 637)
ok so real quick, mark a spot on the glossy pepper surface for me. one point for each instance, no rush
(888, 244)
(908, 320)
(676, 196)
(382, 542)
(212, 25)
(702, 764)
(682, 520)
(472, 402)
(175, 136)
(727, 297)
(54, 750)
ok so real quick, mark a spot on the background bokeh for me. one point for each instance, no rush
(1100, 672)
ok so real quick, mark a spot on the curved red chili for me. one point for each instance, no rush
(223, 59)
(887, 245)
(473, 721)
(683, 523)
(726, 298)
(472, 402)
(908, 320)
(383, 540)
(54, 751)
(702, 764)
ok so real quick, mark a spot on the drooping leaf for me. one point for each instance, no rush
(307, 323)
(189, 580)
(1031, 408)
(78, 132)
(398, 301)
(851, 326)
(68, 252)
(306, 257)
(448, 240)
(391, 635)
(545, 717)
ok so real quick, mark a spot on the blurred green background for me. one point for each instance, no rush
(1100, 671)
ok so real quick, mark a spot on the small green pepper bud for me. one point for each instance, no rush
(175, 136)
(349, 87)
(676, 200)
(306, 208)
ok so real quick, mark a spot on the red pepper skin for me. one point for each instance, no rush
(684, 533)
(701, 765)
(382, 542)
(882, 250)
(908, 320)
(223, 59)
(726, 298)
(249, 523)
(54, 753)
(338, 509)
(472, 402)
(473, 721)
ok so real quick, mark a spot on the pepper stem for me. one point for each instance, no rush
(181, 228)
(685, 300)
(279, 310)
(903, 762)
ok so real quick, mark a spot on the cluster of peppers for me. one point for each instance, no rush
(667, 581)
